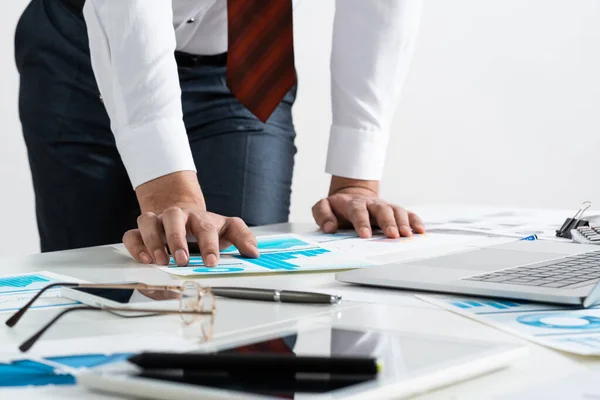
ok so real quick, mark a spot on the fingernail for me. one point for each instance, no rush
(254, 247)
(420, 228)
(405, 230)
(392, 232)
(364, 232)
(328, 227)
(146, 259)
(181, 257)
(160, 257)
(211, 260)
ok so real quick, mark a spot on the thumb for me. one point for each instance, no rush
(324, 216)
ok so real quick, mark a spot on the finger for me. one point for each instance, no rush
(151, 230)
(324, 216)
(224, 243)
(358, 215)
(174, 221)
(132, 239)
(237, 232)
(383, 213)
(416, 222)
(402, 220)
(208, 238)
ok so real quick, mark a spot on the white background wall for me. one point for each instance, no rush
(501, 107)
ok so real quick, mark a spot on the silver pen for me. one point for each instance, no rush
(278, 296)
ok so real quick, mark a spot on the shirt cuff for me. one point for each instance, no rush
(356, 154)
(155, 149)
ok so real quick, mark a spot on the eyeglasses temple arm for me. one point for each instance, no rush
(12, 321)
(32, 340)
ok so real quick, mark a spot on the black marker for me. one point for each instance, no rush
(245, 362)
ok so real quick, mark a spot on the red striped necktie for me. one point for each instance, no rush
(260, 58)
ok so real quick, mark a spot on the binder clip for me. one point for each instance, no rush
(575, 222)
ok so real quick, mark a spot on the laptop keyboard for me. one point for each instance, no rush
(562, 273)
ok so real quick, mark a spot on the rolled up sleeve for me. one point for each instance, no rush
(132, 44)
(373, 43)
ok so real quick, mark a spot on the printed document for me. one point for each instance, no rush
(17, 290)
(569, 329)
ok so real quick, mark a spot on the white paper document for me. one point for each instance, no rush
(69, 355)
(583, 385)
(322, 237)
(510, 223)
(278, 253)
(365, 294)
(17, 290)
(109, 344)
(380, 245)
(568, 329)
(317, 251)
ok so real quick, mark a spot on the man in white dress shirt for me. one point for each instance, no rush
(189, 103)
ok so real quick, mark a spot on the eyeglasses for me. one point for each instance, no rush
(196, 303)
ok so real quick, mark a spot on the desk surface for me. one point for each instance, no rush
(394, 310)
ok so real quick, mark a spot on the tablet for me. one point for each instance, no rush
(410, 364)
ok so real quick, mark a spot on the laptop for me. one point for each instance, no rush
(541, 271)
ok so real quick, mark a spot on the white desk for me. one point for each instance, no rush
(400, 312)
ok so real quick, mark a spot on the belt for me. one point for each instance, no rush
(77, 4)
(188, 61)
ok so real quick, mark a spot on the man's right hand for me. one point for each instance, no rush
(173, 207)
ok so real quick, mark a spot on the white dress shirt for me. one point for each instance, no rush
(132, 44)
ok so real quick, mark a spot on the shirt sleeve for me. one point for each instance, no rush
(132, 45)
(373, 42)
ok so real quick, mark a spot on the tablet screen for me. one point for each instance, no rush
(400, 355)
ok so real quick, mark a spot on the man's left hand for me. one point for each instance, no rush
(356, 203)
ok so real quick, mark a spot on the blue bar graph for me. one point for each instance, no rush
(22, 281)
(196, 261)
(497, 304)
(32, 373)
(274, 243)
(90, 360)
(277, 261)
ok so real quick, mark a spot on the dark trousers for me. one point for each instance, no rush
(83, 195)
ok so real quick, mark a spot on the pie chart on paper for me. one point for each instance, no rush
(563, 321)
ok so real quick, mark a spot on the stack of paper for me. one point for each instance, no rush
(57, 362)
(278, 253)
(512, 223)
(318, 251)
(562, 328)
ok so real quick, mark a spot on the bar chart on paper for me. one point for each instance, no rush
(16, 290)
(22, 373)
(23, 283)
(268, 244)
(278, 253)
(482, 304)
(284, 260)
(570, 329)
